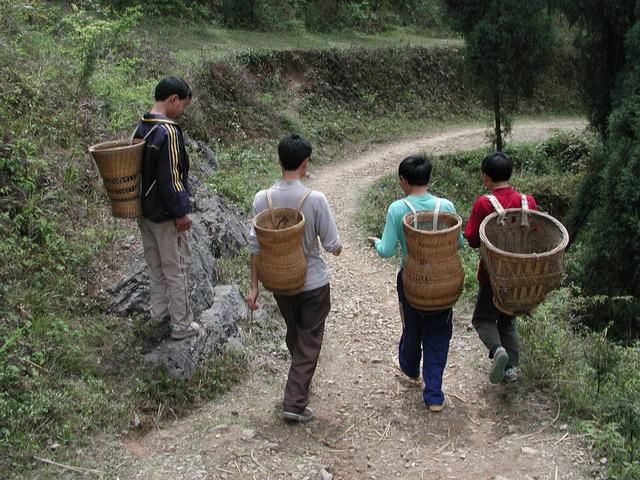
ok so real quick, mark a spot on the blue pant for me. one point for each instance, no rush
(427, 335)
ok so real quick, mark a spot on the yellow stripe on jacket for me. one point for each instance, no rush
(174, 156)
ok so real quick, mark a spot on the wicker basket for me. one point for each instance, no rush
(282, 264)
(432, 274)
(524, 257)
(119, 163)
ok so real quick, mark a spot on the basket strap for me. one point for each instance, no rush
(133, 134)
(525, 211)
(436, 211)
(413, 210)
(307, 193)
(273, 213)
(496, 205)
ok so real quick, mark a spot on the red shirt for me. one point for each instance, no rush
(508, 198)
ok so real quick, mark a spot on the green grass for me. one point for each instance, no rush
(192, 44)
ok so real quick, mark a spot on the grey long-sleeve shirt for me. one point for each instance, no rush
(319, 223)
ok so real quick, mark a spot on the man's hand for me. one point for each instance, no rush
(372, 241)
(251, 298)
(337, 251)
(183, 223)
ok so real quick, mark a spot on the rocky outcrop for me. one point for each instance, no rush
(217, 231)
(219, 331)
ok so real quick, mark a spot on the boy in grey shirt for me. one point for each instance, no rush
(305, 312)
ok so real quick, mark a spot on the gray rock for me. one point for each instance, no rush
(217, 231)
(219, 325)
(324, 475)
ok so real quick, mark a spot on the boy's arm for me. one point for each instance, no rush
(251, 297)
(472, 229)
(388, 244)
(326, 227)
(174, 195)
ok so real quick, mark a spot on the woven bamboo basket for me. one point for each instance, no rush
(432, 274)
(524, 262)
(282, 264)
(120, 163)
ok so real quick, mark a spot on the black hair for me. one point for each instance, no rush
(172, 86)
(415, 169)
(497, 166)
(293, 150)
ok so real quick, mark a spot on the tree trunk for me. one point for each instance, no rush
(496, 111)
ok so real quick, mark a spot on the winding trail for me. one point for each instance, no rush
(371, 423)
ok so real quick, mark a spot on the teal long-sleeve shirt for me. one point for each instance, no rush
(393, 231)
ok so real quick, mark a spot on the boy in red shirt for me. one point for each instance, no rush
(497, 330)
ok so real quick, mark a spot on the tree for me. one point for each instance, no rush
(508, 45)
(612, 251)
(601, 41)
(602, 28)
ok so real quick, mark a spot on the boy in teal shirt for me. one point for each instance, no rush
(425, 334)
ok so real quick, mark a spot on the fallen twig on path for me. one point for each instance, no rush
(386, 430)
(69, 467)
(258, 463)
(459, 398)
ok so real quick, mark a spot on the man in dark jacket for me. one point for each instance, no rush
(165, 208)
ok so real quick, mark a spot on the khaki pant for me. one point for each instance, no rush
(304, 315)
(169, 259)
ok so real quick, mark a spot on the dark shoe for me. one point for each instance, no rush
(180, 334)
(500, 359)
(510, 375)
(303, 417)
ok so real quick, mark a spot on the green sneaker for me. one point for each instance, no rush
(500, 359)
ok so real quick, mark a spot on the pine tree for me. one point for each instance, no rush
(508, 45)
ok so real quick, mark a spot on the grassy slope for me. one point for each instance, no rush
(213, 43)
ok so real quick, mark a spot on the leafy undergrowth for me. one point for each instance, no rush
(596, 381)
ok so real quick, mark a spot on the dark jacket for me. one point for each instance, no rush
(165, 169)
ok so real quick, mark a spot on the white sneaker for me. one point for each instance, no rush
(180, 334)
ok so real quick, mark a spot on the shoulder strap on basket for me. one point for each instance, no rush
(304, 197)
(133, 134)
(525, 211)
(413, 210)
(496, 205)
(436, 212)
(273, 213)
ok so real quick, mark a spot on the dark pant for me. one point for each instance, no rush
(427, 335)
(304, 315)
(495, 328)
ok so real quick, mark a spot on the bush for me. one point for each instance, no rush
(597, 382)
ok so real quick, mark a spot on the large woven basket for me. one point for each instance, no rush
(282, 264)
(120, 163)
(524, 261)
(432, 274)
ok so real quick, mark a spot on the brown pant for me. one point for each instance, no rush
(169, 259)
(304, 314)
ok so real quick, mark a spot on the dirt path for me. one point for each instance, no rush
(370, 422)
